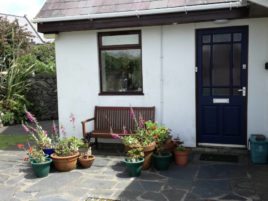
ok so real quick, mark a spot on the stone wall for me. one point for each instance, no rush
(43, 96)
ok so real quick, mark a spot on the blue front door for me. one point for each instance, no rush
(222, 85)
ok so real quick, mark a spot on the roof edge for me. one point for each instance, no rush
(137, 13)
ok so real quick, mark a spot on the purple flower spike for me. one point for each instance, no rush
(30, 117)
(54, 128)
(132, 113)
(26, 129)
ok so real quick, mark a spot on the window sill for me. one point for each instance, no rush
(121, 94)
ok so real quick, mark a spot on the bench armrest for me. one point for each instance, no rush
(84, 126)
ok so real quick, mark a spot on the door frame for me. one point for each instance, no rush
(245, 117)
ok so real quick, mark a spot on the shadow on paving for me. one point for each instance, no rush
(200, 180)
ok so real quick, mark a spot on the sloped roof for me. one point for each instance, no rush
(25, 22)
(67, 8)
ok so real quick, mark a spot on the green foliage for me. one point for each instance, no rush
(42, 57)
(68, 146)
(14, 42)
(37, 155)
(7, 118)
(181, 148)
(135, 154)
(13, 87)
(131, 141)
(7, 141)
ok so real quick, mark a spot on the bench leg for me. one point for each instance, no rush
(96, 143)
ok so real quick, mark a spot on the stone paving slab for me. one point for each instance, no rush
(107, 178)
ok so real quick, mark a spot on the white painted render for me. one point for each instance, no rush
(78, 77)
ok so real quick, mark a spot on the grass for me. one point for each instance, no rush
(7, 141)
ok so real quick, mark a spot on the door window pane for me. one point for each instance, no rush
(221, 38)
(206, 91)
(237, 64)
(237, 37)
(221, 65)
(206, 39)
(121, 70)
(220, 91)
(206, 65)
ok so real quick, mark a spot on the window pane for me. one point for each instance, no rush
(220, 92)
(237, 64)
(121, 70)
(206, 39)
(221, 38)
(206, 65)
(130, 39)
(206, 91)
(237, 37)
(221, 65)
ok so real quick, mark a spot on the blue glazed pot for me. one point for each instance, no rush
(48, 151)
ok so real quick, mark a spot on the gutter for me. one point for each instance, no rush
(138, 13)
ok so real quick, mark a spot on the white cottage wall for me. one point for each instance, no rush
(78, 76)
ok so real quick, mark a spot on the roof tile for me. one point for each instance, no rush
(65, 8)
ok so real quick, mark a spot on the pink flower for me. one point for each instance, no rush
(115, 136)
(26, 129)
(132, 113)
(45, 133)
(30, 117)
(72, 119)
(141, 121)
(125, 132)
(54, 128)
(63, 130)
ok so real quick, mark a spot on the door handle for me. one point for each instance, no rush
(243, 90)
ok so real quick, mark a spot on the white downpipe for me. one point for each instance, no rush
(143, 12)
(161, 76)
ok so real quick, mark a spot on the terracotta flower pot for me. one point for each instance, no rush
(181, 157)
(65, 163)
(86, 162)
(148, 152)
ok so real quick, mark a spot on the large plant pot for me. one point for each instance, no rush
(86, 162)
(162, 162)
(64, 163)
(48, 151)
(148, 152)
(41, 169)
(181, 157)
(134, 168)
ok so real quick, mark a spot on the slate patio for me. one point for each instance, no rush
(108, 179)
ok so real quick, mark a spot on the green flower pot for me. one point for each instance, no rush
(162, 162)
(134, 168)
(41, 169)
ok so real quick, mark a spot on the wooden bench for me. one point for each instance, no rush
(115, 118)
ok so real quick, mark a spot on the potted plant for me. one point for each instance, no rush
(181, 155)
(66, 154)
(134, 161)
(130, 142)
(147, 142)
(39, 135)
(86, 159)
(40, 163)
(161, 157)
